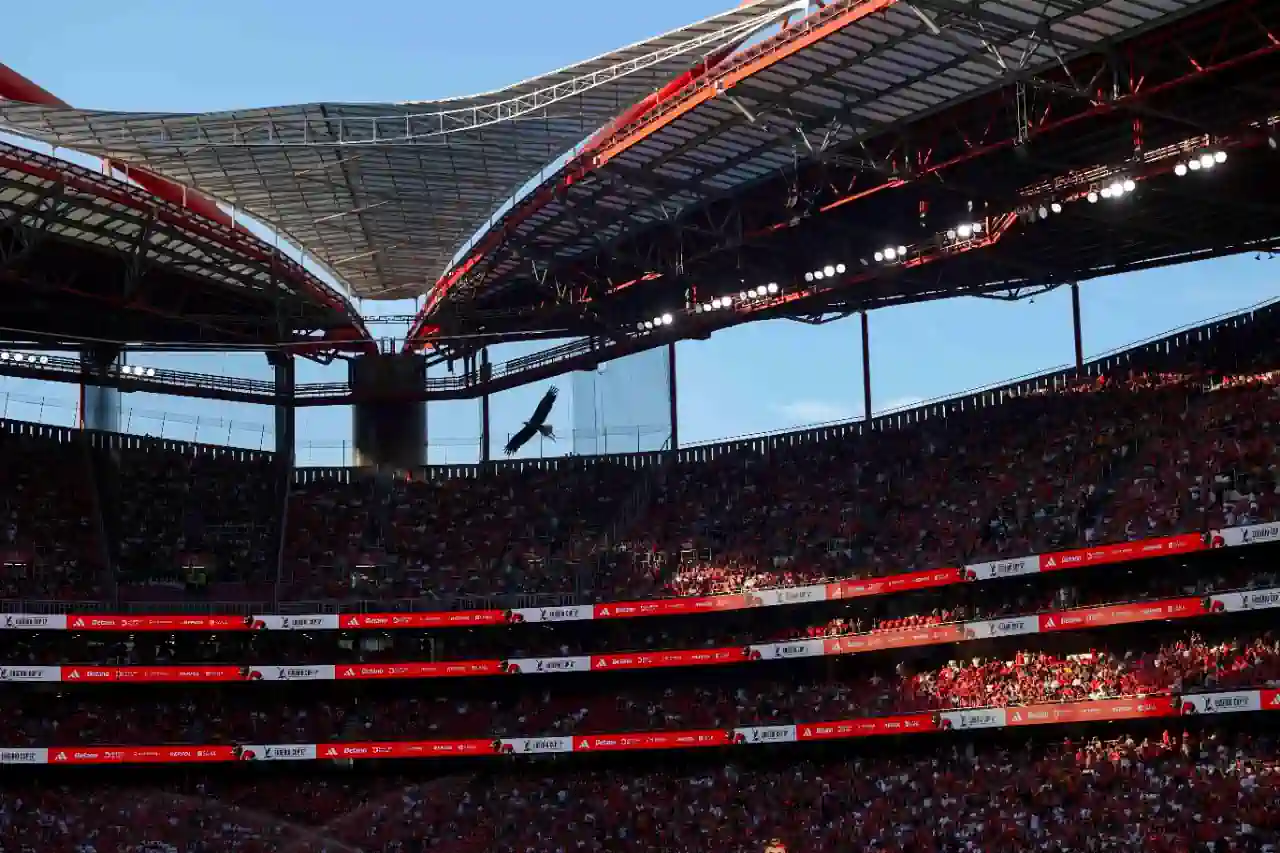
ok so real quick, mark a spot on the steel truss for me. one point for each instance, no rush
(648, 232)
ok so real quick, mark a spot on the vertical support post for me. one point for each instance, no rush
(1075, 324)
(285, 410)
(866, 369)
(673, 400)
(486, 437)
(99, 401)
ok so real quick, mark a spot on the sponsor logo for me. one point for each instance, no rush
(556, 665)
(301, 623)
(20, 756)
(17, 674)
(26, 622)
(285, 753)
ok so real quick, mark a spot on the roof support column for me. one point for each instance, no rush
(866, 368)
(99, 399)
(1075, 324)
(282, 364)
(673, 397)
(486, 436)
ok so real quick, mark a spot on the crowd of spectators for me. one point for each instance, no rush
(580, 706)
(506, 533)
(51, 546)
(1104, 458)
(1207, 791)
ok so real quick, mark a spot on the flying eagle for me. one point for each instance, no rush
(536, 424)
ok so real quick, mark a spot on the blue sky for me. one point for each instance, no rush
(167, 55)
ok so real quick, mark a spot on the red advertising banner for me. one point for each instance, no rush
(1123, 614)
(447, 669)
(894, 583)
(867, 727)
(158, 622)
(1121, 552)
(671, 606)
(406, 749)
(652, 740)
(141, 754)
(434, 619)
(151, 674)
(675, 657)
(1101, 709)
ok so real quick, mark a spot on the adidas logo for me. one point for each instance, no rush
(1049, 623)
(586, 744)
(349, 673)
(1051, 563)
(61, 756)
(604, 611)
(355, 621)
(75, 673)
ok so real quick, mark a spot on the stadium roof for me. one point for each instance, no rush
(74, 243)
(854, 71)
(387, 194)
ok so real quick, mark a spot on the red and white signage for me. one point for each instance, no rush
(1080, 619)
(905, 582)
(959, 720)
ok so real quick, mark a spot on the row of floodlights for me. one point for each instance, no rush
(829, 271)
(1113, 190)
(965, 231)
(130, 370)
(19, 358)
(655, 323)
(1205, 161)
(727, 301)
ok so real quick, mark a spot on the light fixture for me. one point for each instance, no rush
(890, 254)
(951, 234)
(726, 301)
(1129, 185)
(667, 319)
(1219, 156)
(716, 303)
(1055, 207)
(817, 276)
(965, 231)
(1093, 197)
(151, 371)
(828, 271)
(1207, 161)
(4, 356)
(1180, 169)
(808, 276)
(1044, 212)
(879, 257)
(773, 287)
(902, 251)
(44, 359)
(648, 325)
(742, 295)
(840, 268)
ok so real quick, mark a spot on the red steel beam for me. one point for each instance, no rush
(579, 167)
